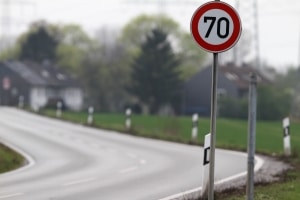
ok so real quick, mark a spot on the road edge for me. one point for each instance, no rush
(29, 161)
(196, 191)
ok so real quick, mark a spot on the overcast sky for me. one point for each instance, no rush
(279, 20)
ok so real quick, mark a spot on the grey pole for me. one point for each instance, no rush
(251, 136)
(213, 118)
(213, 127)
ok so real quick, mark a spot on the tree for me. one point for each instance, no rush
(290, 82)
(271, 104)
(64, 44)
(155, 74)
(103, 73)
(191, 55)
(74, 44)
(39, 45)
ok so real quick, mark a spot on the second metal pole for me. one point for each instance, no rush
(251, 136)
(213, 127)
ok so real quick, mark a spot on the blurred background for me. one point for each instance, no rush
(101, 47)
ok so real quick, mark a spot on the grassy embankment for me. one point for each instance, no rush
(231, 134)
(9, 159)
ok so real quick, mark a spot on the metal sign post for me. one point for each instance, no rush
(213, 127)
(251, 136)
(216, 27)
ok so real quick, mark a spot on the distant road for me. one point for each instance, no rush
(73, 162)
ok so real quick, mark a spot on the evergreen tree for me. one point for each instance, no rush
(155, 73)
(39, 46)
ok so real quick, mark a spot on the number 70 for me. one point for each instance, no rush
(220, 22)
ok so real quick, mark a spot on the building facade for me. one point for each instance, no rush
(38, 85)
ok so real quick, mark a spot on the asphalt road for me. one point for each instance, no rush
(73, 162)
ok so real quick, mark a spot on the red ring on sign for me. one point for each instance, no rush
(236, 27)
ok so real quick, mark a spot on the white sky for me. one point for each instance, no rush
(279, 20)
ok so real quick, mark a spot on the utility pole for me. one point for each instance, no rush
(250, 18)
(163, 4)
(251, 136)
(8, 21)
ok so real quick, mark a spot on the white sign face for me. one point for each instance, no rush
(215, 26)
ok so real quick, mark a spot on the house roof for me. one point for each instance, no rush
(241, 75)
(44, 74)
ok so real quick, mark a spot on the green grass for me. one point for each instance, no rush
(231, 133)
(9, 159)
(287, 188)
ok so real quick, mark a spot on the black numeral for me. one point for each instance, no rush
(213, 20)
(223, 21)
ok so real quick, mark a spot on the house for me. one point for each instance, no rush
(233, 81)
(38, 85)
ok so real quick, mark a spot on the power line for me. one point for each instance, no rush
(9, 19)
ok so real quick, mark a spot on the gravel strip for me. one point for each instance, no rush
(268, 173)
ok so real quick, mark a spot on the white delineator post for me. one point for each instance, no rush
(128, 118)
(205, 169)
(90, 118)
(195, 119)
(286, 136)
(21, 102)
(58, 109)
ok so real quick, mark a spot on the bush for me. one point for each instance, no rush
(272, 104)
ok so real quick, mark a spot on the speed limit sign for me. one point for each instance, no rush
(216, 26)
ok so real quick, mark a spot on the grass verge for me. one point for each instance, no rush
(286, 189)
(9, 160)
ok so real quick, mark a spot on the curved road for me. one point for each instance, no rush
(73, 162)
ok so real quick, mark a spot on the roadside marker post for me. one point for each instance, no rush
(286, 136)
(251, 136)
(58, 109)
(216, 27)
(90, 118)
(206, 155)
(128, 118)
(195, 120)
(21, 101)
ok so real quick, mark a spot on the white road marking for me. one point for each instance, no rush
(143, 162)
(259, 163)
(128, 170)
(11, 195)
(78, 182)
(133, 156)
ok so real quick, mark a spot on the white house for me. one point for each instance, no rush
(40, 85)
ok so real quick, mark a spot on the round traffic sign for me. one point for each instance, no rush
(216, 26)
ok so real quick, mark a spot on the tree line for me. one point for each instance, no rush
(144, 66)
